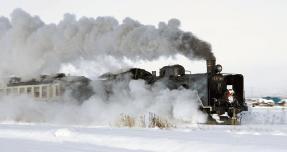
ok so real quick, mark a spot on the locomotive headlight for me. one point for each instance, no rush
(230, 96)
(218, 68)
(231, 99)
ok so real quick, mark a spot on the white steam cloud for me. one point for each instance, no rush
(29, 47)
(137, 99)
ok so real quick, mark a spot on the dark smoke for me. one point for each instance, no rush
(29, 47)
(191, 45)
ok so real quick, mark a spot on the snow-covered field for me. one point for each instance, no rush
(264, 130)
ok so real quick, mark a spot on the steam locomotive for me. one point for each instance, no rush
(218, 93)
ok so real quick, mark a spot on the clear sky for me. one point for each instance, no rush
(247, 36)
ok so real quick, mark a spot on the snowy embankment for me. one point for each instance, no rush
(252, 136)
(195, 138)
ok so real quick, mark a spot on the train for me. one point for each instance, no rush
(219, 94)
(50, 88)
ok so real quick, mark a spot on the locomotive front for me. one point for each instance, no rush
(225, 92)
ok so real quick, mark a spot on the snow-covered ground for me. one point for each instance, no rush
(264, 130)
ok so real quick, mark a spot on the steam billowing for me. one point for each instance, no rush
(29, 47)
(134, 99)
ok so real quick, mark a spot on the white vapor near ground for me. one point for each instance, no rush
(133, 99)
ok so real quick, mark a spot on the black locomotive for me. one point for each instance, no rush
(218, 93)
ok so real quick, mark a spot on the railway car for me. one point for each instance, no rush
(50, 87)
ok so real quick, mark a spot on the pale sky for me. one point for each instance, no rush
(247, 36)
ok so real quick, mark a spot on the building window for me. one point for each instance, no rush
(50, 92)
(8, 91)
(1, 92)
(29, 90)
(44, 92)
(57, 90)
(37, 92)
(22, 90)
(15, 91)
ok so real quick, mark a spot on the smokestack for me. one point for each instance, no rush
(210, 65)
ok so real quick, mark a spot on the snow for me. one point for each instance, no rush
(252, 135)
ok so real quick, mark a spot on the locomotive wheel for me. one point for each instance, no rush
(229, 120)
(224, 120)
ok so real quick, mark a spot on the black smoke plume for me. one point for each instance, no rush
(29, 47)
